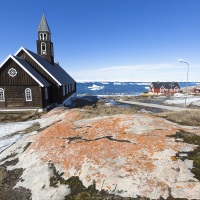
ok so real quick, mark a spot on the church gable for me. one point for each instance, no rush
(16, 71)
(26, 55)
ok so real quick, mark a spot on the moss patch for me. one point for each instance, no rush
(27, 146)
(11, 162)
(9, 156)
(34, 127)
(80, 192)
(190, 138)
(8, 180)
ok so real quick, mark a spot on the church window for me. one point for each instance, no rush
(28, 94)
(43, 36)
(43, 48)
(2, 97)
(12, 72)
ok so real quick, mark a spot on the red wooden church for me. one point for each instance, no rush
(34, 80)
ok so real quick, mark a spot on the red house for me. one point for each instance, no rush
(164, 87)
(196, 89)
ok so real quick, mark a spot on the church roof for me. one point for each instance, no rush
(43, 26)
(55, 71)
(166, 85)
(32, 71)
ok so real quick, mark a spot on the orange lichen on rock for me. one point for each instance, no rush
(126, 150)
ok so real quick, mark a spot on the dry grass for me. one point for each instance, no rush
(102, 110)
(189, 118)
(98, 108)
(34, 127)
(19, 116)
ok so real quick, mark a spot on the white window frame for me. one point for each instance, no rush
(46, 93)
(28, 94)
(2, 96)
(41, 36)
(162, 90)
(176, 89)
(45, 48)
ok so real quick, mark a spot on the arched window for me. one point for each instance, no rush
(43, 48)
(41, 36)
(28, 94)
(45, 36)
(2, 97)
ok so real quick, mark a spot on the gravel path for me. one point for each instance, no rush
(154, 105)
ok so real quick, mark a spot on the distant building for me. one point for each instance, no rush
(34, 80)
(196, 89)
(164, 87)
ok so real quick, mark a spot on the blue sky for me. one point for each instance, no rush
(129, 40)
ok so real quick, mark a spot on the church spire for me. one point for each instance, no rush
(44, 44)
(43, 26)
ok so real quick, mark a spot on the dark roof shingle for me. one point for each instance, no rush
(55, 70)
(166, 85)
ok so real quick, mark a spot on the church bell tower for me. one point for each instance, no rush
(44, 44)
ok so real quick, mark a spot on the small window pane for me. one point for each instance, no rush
(2, 98)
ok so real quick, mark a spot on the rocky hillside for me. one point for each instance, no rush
(122, 156)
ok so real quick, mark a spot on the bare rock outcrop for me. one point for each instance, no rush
(122, 155)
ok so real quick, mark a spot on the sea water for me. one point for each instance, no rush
(118, 88)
